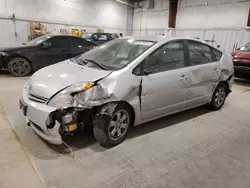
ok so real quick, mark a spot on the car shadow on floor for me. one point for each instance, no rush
(86, 139)
(242, 82)
(167, 121)
(4, 73)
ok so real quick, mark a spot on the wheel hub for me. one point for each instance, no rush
(220, 96)
(118, 125)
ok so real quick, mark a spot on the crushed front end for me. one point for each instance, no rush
(65, 113)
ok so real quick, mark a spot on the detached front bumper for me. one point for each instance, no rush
(37, 114)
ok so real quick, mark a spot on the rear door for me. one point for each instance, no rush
(204, 72)
(79, 46)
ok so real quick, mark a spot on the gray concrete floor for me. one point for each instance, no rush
(16, 169)
(196, 148)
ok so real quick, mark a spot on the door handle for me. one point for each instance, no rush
(183, 78)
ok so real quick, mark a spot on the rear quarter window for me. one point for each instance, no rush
(216, 54)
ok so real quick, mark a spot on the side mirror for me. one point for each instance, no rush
(147, 72)
(46, 45)
(238, 49)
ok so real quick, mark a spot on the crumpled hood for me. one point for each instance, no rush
(52, 79)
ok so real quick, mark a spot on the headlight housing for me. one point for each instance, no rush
(2, 54)
(65, 97)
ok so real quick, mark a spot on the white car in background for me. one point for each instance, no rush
(125, 82)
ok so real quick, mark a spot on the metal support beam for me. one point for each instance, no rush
(248, 20)
(173, 7)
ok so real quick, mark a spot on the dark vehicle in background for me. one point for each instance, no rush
(100, 38)
(241, 60)
(41, 52)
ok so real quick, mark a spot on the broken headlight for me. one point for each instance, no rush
(65, 97)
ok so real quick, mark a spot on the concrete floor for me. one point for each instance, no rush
(14, 161)
(196, 148)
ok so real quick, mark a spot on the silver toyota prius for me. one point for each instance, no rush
(123, 83)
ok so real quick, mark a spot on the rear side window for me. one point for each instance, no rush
(59, 42)
(216, 54)
(199, 53)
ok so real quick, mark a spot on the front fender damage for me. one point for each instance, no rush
(74, 118)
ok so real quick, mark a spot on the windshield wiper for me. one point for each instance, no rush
(96, 63)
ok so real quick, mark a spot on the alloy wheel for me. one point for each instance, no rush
(118, 125)
(19, 67)
(220, 96)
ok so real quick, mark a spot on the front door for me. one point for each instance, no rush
(204, 73)
(79, 46)
(164, 83)
(57, 51)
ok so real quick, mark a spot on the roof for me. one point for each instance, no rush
(155, 38)
(61, 35)
(159, 38)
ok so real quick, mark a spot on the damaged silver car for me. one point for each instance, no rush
(123, 83)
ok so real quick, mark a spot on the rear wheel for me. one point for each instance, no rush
(219, 97)
(112, 129)
(19, 67)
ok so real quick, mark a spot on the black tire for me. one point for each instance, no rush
(103, 127)
(19, 67)
(218, 100)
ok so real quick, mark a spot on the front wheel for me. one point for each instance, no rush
(111, 128)
(219, 97)
(19, 67)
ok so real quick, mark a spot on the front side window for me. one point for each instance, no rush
(58, 42)
(199, 53)
(168, 57)
(116, 54)
(38, 40)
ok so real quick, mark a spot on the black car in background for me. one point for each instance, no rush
(41, 52)
(100, 38)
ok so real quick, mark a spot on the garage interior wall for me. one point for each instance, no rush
(221, 23)
(109, 15)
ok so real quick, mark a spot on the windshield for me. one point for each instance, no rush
(246, 48)
(38, 40)
(116, 54)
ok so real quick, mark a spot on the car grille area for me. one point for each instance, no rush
(37, 98)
